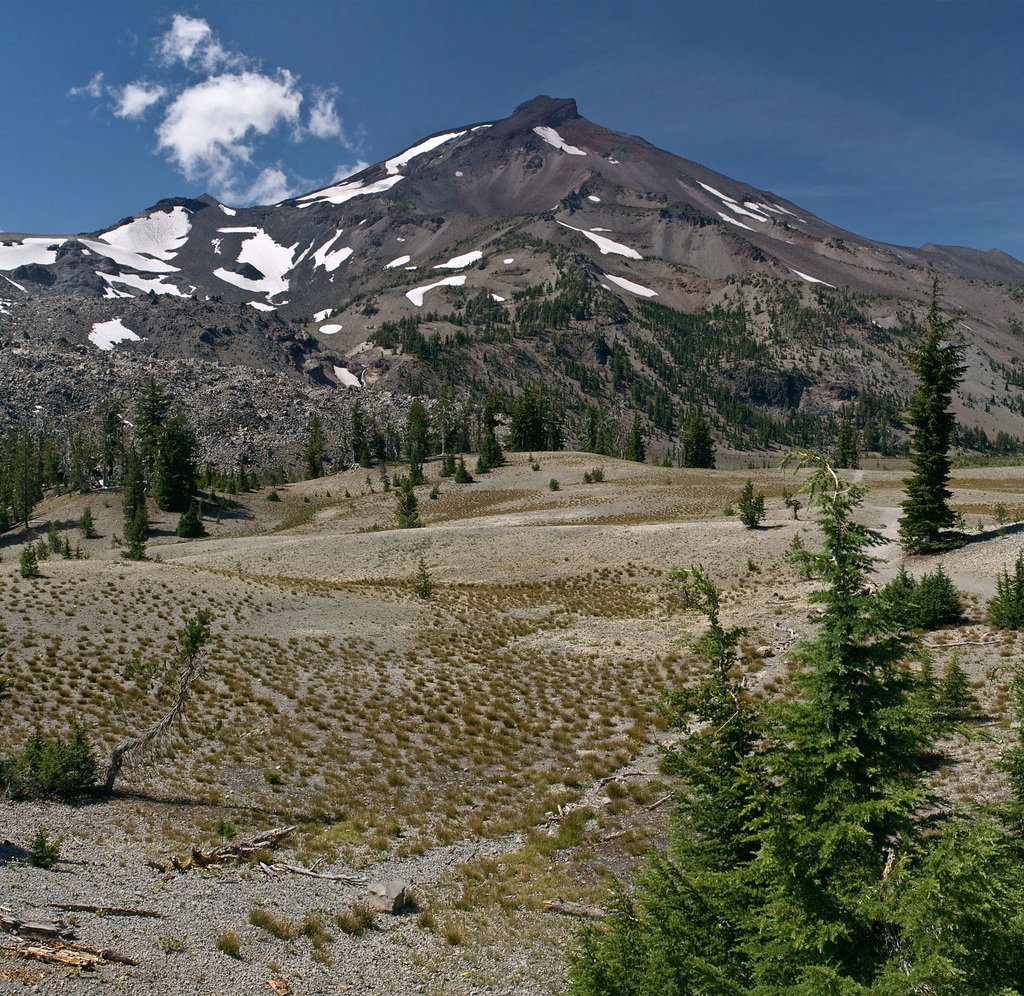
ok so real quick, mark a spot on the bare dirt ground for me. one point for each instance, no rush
(494, 744)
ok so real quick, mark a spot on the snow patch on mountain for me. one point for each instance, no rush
(346, 377)
(595, 199)
(330, 261)
(733, 221)
(400, 261)
(160, 234)
(330, 329)
(261, 306)
(605, 245)
(106, 335)
(461, 262)
(416, 294)
(130, 258)
(396, 163)
(33, 250)
(321, 315)
(630, 286)
(342, 192)
(810, 280)
(269, 257)
(139, 282)
(553, 138)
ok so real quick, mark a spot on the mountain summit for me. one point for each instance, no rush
(509, 212)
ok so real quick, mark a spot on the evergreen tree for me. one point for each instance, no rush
(635, 448)
(809, 856)
(937, 364)
(847, 453)
(462, 475)
(491, 455)
(313, 454)
(133, 500)
(28, 564)
(190, 525)
(176, 471)
(25, 474)
(407, 508)
(417, 437)
(698, 446)
(360, 446)
(750, 506)
(151, 412)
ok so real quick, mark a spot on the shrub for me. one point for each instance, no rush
(44, 851)
(926, 604)
(190, 525)
(272, 923)
(86, 525)
(272, 495)
(554, 485)
(1006, 609)
(355, 920)
(751, 506)
(229, 943)
(52, 768)
(28, 565)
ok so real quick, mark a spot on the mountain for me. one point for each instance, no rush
(536, 250)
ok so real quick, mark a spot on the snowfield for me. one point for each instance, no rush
(810, 280)
(553, 138)
(633, 288)
(330, 261)
(129, 258)
(139, 282)
(330, 329)
(400, 261)
(270, 258)
(342, 192)
(396, 163)
(460, 262)
(416, 294)
(605, 245)
(346, 377)
(29, 251)
(160, 234)
(106, 335)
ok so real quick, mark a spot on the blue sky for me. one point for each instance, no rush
(898, 120)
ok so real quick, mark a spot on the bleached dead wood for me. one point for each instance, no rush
(76, 955)
(243, 851)
(40, 931)
(106, 910)
(569, 908)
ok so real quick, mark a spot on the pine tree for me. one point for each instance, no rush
(698, 446)
(313, 454)
(462, 475)
(750, 506)
(635, 448)
(151, 412)
(809, 855)
(190, 525)
(28, 565)
(847, 453)
(937, 364)
(407, 508)
(417, 436)
(176, 472)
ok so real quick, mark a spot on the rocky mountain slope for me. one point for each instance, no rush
(540, 249)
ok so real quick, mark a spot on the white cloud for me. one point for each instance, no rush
(323, 118)
(209, 127)
(192, 42)
(270, 187)
(343, 172)
(136, 98)
(94, 88)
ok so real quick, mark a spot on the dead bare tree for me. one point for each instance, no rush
(190, 664)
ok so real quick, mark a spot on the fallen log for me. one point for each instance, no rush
(242, 851)
(298, 870)
(568, 908)
(35, 930)
(106, 910)
(76, 955)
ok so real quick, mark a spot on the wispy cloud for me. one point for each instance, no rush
(221, 111)
(137, 98)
